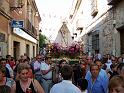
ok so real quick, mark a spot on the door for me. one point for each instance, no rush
(16, 49)
(122, 41)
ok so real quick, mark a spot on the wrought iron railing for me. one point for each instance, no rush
(30, 28)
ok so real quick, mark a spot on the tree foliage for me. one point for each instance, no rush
(42, 39)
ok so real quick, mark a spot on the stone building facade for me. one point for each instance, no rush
(4, 26)
(102, 26)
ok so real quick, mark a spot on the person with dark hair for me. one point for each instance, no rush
(77, 72)
(11, 61)
(66, 85)
(102, 72)
(102, 76)
(108, 62)
(5, 80)
(97, 83)
(61, 64)
(5, 83)
(3, 65)
(5, 89)
(82, 84)
(120, 69)
(113, 71)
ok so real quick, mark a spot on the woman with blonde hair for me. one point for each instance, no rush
(24, 84)
(116, 84)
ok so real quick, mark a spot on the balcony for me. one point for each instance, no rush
(94, 12)
(79, 25)
(15, 4)
(94, 9)
(113, 2)
(4, 6)
(30, 28)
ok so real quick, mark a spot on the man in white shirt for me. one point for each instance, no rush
(36, 67)
(66, 85)
(46, 71)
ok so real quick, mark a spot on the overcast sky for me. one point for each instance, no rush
(53, 12)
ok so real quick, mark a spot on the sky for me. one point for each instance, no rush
(53, 13)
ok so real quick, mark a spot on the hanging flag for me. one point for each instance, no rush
(60, 17)
(49, 15)
(50, 29)
(45, 28)
(43, 15)
(54, 16)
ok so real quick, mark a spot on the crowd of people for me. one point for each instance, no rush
(92, 74)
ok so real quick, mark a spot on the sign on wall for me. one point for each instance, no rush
(17, 23)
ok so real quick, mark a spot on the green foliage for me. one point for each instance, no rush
(42, 39)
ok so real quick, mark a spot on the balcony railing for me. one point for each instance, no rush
(113, 2)
(14, 4)
(4, 6)
(30, 28)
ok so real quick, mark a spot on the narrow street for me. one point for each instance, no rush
(61, 46)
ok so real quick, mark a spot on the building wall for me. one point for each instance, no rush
(10, 10)
(28, 14)
(22, 48)
(109, 37)
(119, 12)
(119, 18)
(4, 27)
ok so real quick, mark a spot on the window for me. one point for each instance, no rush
(27, 49)
(95, 40)
(33, 51)
(2, 37)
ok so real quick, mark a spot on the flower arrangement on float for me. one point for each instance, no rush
(71, 51)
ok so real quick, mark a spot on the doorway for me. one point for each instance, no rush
(33, 51)
(121, 31)
(122, 41)
(16, 49)
(27, 49)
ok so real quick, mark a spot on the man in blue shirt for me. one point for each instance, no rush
(97, 83)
